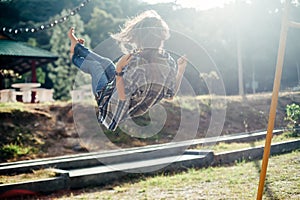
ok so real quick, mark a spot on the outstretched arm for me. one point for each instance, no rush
(181, 63)
(124, 60)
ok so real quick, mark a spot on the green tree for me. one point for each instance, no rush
(100, 25)
(293, 118)
(62, 74)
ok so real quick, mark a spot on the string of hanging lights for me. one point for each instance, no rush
(44, 26)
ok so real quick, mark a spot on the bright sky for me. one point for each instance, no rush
(198, 4)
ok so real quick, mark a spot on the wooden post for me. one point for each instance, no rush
(239, 51)
(276, 87)
(1, 81)
(33, 79)
(33, 71)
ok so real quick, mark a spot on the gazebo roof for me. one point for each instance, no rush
(19, 56)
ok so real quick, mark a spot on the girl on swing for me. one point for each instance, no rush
(143, 76)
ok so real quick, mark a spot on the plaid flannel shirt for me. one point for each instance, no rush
(142, 92)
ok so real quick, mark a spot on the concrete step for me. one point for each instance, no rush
(142, 163)
(105, 174)
(124, 155)
(94, 159)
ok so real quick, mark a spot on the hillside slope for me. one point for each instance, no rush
(48, 129)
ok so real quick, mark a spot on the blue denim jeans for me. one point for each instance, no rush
(101, 69)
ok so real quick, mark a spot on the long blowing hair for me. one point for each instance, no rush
(145, 31)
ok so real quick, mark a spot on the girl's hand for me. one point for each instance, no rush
(124, 60)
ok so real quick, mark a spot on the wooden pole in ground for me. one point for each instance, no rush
(33, 79)
(276, 87)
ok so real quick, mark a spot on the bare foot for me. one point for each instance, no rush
(73, 38)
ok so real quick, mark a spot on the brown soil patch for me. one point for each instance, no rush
(51, 129)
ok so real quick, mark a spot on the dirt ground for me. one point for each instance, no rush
(50, 128)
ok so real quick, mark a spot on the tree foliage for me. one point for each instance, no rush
(256, 23)
(62, 73)
(293, 118)
(101, 24)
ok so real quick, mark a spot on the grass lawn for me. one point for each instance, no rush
(35, 175)
(238, 181)
(221, 147)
